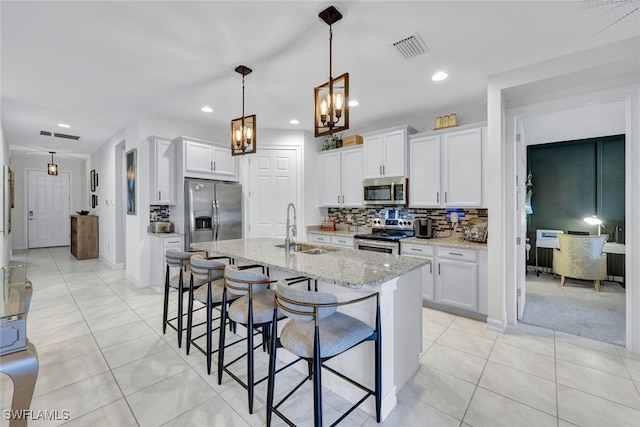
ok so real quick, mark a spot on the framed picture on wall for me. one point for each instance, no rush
(131, 181)
(93, 179)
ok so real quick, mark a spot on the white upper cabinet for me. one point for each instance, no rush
(446, 168)
(424, 166)
(208, 160)
(385, 152)
(341, 178)
(462, 178)
(163, 171)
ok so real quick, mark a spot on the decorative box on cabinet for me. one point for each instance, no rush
(207, 160)
(163, 171)
(84, 236)
(385, 152)
(341, 178)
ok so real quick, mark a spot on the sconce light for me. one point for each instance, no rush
(332, 97)
(52, 168)
(243, 129)
(594, 220)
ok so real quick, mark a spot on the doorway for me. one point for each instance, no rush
(48, 209)
(273, 185)
(543, 124)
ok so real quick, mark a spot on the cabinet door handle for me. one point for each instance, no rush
(455, 253)
(437, 197)
(380, 169)
(338, 198)
(416, 249)
(383, 172)
(159, 195)
(438, 269)
(214, 166)
(211, 166)
(445, 197)
(343, 199)
(430, 268)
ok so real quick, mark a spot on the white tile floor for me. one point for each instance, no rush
(104, 359)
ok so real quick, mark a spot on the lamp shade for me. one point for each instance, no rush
(593, 220)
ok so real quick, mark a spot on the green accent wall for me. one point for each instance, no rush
(576, 179)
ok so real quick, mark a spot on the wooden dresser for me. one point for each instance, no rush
(84, 236)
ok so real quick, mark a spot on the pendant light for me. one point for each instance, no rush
(52, 168)
(332, 97)
(243, 129)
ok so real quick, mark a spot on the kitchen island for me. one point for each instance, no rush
(350, 273)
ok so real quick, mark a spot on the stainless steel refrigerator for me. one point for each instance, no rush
(213, 211)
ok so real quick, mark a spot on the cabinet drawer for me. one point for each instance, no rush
(342, 241)
(320, 238)
(458, 254)
(416, 250)
(172, 242)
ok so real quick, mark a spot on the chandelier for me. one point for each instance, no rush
(243, 129)
(331, 98)
(52, 168)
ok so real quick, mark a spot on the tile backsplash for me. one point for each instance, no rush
(159, 213)
(363, 216)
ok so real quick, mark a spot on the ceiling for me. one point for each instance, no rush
(98, 66)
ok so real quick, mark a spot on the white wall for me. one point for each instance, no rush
(21, 163)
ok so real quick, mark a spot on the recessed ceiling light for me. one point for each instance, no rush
(62, 125)
(353, 103)
(439, 76)
(207, 109)
(294, 122)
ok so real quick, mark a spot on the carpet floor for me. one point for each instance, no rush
(576, 308)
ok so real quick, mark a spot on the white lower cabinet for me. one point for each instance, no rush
(422, 251)
(457, 278)
(327, 239)
(159, 245)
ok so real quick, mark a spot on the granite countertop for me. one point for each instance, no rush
(342, 231)
(342, 266)
(164, 234)
(454, 241)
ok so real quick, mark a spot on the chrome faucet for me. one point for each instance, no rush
(293, 228)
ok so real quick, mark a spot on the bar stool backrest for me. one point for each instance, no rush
(206, 269)
(237, 281)
(178, 259)
(294, 302)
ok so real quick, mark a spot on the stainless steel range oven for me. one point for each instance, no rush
(386, 234)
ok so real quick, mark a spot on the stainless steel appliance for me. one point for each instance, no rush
(386, 234)
(424, 228)
(385, 191)
(213, 211)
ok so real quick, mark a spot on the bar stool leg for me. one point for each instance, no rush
(180, 302)
(221, 342)
(317, 380)
(165, 311)
(209, 329)
(250, 356)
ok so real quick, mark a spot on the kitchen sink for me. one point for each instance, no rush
(306, 248)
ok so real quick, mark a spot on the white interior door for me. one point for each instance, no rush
(48, 208)
(273, 185)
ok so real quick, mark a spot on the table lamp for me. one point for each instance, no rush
(594, 220)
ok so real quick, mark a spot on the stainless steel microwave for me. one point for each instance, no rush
(385, 191)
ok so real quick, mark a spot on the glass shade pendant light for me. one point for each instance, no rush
(332, 97)
(52, 168)
(243, 129)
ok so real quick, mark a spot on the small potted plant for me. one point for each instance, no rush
(331, 142)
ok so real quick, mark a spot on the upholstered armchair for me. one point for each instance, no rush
(581, 257)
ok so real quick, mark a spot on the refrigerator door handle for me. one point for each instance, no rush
(192, 216)
(214, 222)
(217, 218)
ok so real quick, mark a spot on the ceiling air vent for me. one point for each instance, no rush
(64, 135)
(411, 46)
(59, 135)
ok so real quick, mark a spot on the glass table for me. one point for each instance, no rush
(18, 357)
